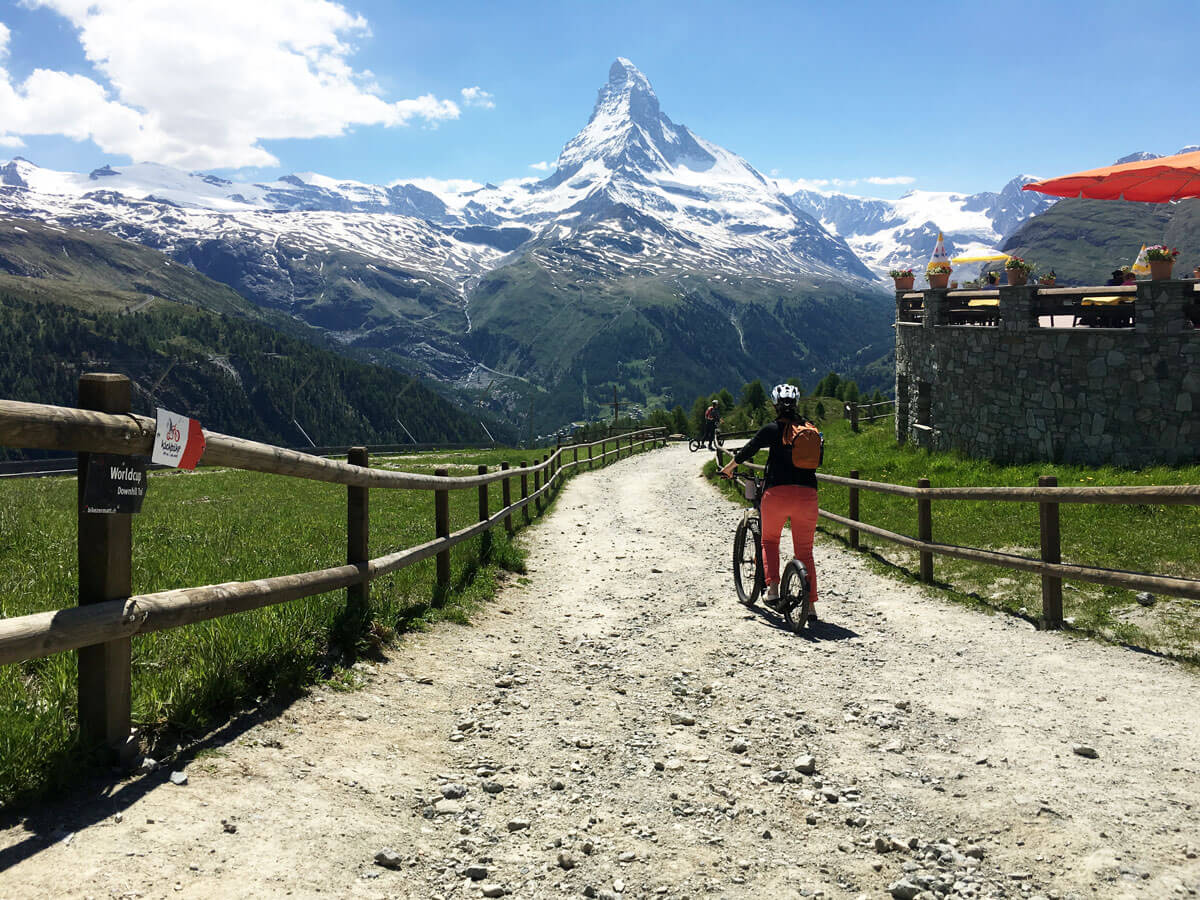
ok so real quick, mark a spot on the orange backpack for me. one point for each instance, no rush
(807, 443)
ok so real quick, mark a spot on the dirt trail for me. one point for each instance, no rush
(616, 725)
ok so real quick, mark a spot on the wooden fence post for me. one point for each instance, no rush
(441, 523)
(537, 486)
(854, 417)
(1052, 609)
(925, 531)
(506, 496)
(525, 495)
(604, 453)
(854, 511)
(485, 539)
(105, 549)
(589, 457)
(358, 535)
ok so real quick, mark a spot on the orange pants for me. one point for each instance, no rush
(780, 503)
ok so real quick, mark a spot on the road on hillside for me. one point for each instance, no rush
(616, 725)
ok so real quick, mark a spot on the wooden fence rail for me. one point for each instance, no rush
(854, 412)
(107, 617)
(1047, 495)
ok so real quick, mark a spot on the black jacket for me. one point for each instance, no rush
(779, 458)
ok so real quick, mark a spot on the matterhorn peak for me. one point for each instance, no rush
(628, 130)
(630, 90)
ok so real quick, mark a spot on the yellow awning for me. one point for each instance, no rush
(970, 259)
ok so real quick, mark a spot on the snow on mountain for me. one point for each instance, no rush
(690, 202)
(1143, 155)
(644, 237)
(170, 209)
(630, 172)
(1138, 156)
(889, 234)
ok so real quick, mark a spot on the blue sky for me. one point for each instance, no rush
(952, 96)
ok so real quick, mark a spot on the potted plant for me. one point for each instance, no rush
(1047, 280)
(1017, 269)
(938, 274)
(1162, 260)
(903, 277)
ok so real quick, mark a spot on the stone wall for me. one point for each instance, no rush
(1016, 392)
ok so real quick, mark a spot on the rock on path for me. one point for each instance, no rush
(617, 725)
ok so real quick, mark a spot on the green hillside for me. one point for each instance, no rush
(96, 271)
(660, 340)
(1084, 240)
(79, 300)
(235, 375)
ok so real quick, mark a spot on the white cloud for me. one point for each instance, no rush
(11, 140)
(4, 34)
(829, 185)
(477, 96)
(441, 186)
(791, 185)
(542, 166)
(202, 85)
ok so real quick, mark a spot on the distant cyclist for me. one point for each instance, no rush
(712, 418)
(788, 493)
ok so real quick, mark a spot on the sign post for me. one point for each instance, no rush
(105, 573)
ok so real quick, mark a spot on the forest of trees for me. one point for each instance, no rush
(752, 408)
(234, 375)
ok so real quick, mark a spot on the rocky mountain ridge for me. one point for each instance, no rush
(889, 234)
(644, 234)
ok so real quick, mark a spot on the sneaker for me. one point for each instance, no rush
(772, 594)
(812, 618)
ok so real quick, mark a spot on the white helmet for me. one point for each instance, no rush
(785, 393)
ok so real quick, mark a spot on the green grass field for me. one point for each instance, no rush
(1159, 540)
(212, 526)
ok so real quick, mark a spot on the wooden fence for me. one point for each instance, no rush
(1048, 496)
(873, 411)
(107, 616)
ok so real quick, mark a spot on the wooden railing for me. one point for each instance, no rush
(873, 411)
(1048, 496)
(107, 616)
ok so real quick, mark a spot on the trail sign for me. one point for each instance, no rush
(114, 484)
(178, 440)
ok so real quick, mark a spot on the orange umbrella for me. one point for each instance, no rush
(1149, 181)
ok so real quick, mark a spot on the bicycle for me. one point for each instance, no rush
(749, 579)
(697, 442)
(748, 573)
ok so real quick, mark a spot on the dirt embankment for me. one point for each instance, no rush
(616, 725)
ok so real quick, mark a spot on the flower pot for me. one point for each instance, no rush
(904, 284)
(1046, 282)
(939, 281)
(1160, 269)
(1017, 276)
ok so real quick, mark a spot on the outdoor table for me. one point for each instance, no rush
(1105, 312)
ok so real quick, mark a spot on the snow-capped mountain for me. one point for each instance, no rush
(690, 202)
(1143, 155)
(644, 236)
(889, 234)
(630, 170)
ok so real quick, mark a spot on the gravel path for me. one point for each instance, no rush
(617, 725)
